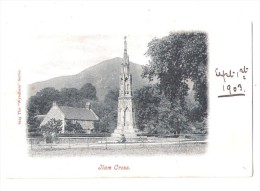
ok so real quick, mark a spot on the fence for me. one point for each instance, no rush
(106, 142)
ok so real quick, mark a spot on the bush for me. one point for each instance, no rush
(49, 139)
(73, 127)
(34, 134)
(53, 126)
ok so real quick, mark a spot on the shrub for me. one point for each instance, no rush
(73, 127)
(51, 129)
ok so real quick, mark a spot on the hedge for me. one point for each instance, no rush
(83, 135)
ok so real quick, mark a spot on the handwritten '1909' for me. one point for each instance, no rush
(233, 89)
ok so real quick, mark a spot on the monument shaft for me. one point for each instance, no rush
(126, 114)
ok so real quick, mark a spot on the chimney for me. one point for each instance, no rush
(54, 103)
(88, 106)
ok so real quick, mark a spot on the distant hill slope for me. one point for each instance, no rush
(104, 76)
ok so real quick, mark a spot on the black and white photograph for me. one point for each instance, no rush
(119, 107)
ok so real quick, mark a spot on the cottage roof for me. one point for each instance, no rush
(40, 118)
(78, 113)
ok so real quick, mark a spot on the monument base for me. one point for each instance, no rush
(127, 133)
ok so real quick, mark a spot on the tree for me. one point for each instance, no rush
(111, 99)
(172, 117)
(146, 101)
(107, 112)
(88, 91)
(45, 98)
(69, 96)
(107, 123)
(156, 114)
(32, 111)
(176, 59)
(111, 104)
(40, 104)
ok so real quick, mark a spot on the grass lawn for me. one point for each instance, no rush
(131, 150)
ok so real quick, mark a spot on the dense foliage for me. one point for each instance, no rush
(52, 127)
(179, 100)
(71, 127)
(108, 115)
(176, 59)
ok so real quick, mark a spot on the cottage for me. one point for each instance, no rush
(86, 117)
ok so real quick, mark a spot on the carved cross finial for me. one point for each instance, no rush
(125, 46)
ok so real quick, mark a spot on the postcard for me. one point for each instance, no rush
(93, 90)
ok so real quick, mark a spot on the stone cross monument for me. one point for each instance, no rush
(126, 114)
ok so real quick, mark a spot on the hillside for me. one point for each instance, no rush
(104, 76)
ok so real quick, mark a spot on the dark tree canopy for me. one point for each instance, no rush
(111, 99)
(69, 96)
(108, 114)
(174, 60)
(44, 99)
(88, 91)
(156, 114)
(146, 101)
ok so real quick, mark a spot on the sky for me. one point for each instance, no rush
(50, 39)
(47, 39)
